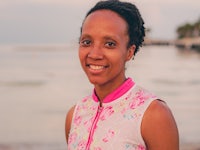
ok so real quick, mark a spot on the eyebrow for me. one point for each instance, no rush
(106, 37)
(111, 38)
(85, 35)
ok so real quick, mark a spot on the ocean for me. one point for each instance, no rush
(39, 83)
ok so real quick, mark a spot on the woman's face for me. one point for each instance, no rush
(103, 48)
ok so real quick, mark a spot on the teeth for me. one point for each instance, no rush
(96, 67)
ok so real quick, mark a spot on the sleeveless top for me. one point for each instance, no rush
(116, 125)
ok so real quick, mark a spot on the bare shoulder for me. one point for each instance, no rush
(159, 128)
(68, 121)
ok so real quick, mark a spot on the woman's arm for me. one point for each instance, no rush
(68, 122)
(159, 128)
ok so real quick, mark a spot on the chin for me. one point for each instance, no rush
(96, 81)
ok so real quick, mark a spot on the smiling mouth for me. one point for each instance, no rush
(96, 67)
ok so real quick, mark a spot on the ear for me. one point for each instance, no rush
(130, 52)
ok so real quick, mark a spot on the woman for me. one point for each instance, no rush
(119, 114)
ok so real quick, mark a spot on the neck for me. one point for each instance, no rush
(103, 90)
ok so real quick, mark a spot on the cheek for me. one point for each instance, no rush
(118, 61)
(81, 55)
(121, 57)
(82, 58)
(122, 61)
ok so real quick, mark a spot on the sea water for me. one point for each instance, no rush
(39, 83)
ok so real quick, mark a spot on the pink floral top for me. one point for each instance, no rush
(114, 126)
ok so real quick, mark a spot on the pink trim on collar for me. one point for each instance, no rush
(116, 93)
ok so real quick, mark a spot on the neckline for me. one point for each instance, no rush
(128, 83)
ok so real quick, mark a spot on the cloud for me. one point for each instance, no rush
(163, 17)
(76, 3)
(58, 20)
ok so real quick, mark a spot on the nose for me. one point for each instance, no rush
(95, 53)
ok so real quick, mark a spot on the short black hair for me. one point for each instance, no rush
(130, 13)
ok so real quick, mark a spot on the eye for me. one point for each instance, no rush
(110, 44)
(85, 43)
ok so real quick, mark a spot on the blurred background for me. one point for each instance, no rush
(40, 75)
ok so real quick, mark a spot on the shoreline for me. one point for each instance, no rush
(190, 146)
(29, 146)
(185, 43)
(33, 146)
(188, 43)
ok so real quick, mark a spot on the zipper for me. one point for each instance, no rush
(99, 110)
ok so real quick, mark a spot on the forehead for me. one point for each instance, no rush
(105, 19)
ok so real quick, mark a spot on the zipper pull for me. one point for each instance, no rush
(100, 108)
(100, 104)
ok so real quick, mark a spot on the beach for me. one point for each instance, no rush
(39, 83)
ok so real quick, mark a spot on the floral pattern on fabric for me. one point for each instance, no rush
(117, 126)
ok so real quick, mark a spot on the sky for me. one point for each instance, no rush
(59, 21)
